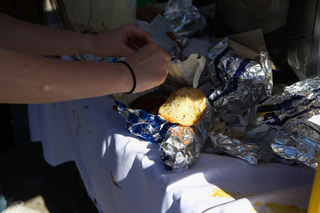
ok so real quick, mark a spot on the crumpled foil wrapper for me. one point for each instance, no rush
(165, 37)
(298, 148)
(150, 127)
(295, 115)
(182, 144)
(175, 153)
(238, 81)
(251, 152)
(285, 128)
(185, 19)
(236, 135)
(296, 99)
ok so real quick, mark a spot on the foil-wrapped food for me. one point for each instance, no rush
(242, 118)
(284, 128)
(183, 142)
(294, 113)
(164, 36)
(239, 84)
(142, 120)
(184, 18)
(173, 151)
(180, 144)
(236, 135)
(238, 81)
(141, 112)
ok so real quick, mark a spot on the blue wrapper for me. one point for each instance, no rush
(150, 127)
(297, 99)
(175, 154)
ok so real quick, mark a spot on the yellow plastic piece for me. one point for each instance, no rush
(314, 203)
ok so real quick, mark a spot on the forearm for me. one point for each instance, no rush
(31, 79)
(25, 37)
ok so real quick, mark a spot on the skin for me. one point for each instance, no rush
(27, 78)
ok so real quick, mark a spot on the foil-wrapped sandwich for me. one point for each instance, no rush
(147, 114)
(238, 81)
(182, 145)
(295, 114)
(179, 122)
(140, 110)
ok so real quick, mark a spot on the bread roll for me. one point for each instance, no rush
(185, 106)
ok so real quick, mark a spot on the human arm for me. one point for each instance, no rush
(31, 79)
(29, 38)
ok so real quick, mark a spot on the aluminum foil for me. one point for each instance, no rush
(163, 36)
(182, 144)
(250, 152)
(184, 18)
(236, 135)
(295, 114)
(298, 148)
(175, 153)
(174, 150)
(303, 125)
(238, 81)
(297, 99)
(150, 127)
(285, 128)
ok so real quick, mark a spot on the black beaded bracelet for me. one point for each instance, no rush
(133, 76)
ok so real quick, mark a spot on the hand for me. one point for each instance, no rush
(150, 65)
(122, 41)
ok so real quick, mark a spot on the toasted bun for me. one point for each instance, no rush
(185, 106)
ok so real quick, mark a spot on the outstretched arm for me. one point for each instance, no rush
(25, 78)
(29, 38)
(31, 79)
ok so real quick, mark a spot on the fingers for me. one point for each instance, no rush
(142, 42)
(151, 66)
(143, 37)
(167, 57)
(160, 58)
(138, 36)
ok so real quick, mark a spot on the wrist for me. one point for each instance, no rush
(124, 78)
(133, 76)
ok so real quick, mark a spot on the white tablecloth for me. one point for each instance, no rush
(123, 173)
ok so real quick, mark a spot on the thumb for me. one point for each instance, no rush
(128, 52)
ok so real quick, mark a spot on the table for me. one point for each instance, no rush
(123, 173)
